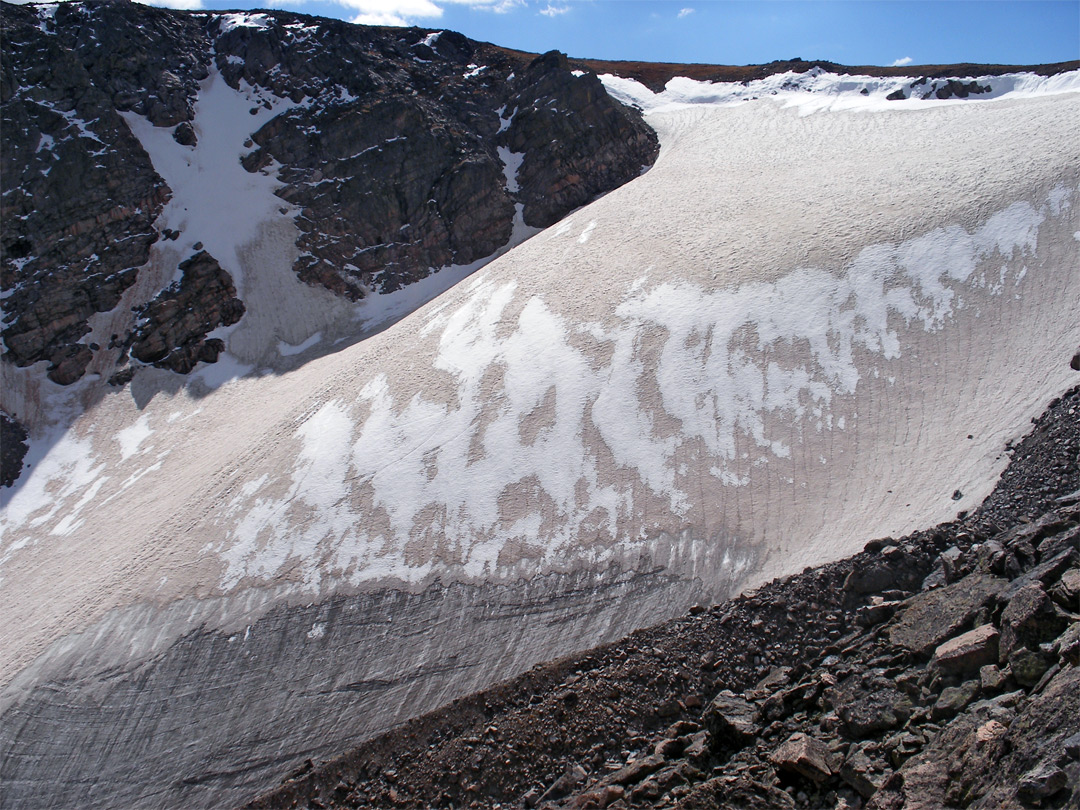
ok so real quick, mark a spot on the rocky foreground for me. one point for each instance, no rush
(936, 670)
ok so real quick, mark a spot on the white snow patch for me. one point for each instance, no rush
(817, 90)
(287, 349)
(61, 465)
(450, 471)
(207, 179)
(243, 20)
(227, 368)
(262, 542)
(131, 437)
(511, 163)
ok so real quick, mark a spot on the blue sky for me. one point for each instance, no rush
(853, 32)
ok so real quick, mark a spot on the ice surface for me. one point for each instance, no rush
(785, 357)
(770, 347)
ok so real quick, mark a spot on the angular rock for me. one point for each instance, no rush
(1046, 572)
(184, 134)
(870, 615)
(1068, 645)
(953, 700)
(173, 327)
(1068, 540)
(1067, 592)
(931, 617)
(968, 652)
(1042, 782)
(1028, 620)
(805, 756)
(69, 363)
(1029, 666)
(573, 776)
(637, 770)
(731, 721)
(952, 563)
(881, 574)
(864, 712)
(858, 772)
(991, 678)
(740, 792)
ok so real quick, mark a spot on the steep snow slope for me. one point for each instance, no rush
(793, 333)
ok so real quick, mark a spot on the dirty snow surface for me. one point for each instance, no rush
(794, 333)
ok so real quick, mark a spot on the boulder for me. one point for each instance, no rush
(805, 756)
(866, 713)
(881, 574)
(953, 700)
(1041, 782)
(1028, 666)
(638, 769)
(731, 721)
(931, 617)
(573, 776)
(967, 652)
(740, 792)
(1028, 620)
(859, 773)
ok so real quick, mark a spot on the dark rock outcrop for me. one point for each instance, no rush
(172, 329)
(79, 194)
(577, 142)
(393, 156)
(401, 174)
(783, 697)
(13, 449)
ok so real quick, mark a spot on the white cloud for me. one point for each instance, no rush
(901, 62)
(685, 12)
(409, 12)
(392, 12)
(554, 11)
(185, 5)
(498, 6)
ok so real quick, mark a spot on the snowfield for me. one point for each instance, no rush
(794, 333)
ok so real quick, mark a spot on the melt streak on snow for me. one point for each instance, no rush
(783, 358)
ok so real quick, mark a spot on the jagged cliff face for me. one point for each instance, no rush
(395, 152)
(818, 317)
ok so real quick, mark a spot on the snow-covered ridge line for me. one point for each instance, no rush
(817, 90)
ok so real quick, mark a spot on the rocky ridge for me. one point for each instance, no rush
(936, 670)
(395, 156)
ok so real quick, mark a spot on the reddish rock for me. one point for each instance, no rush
(932, 617)
(805, 756)
(968, 652)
